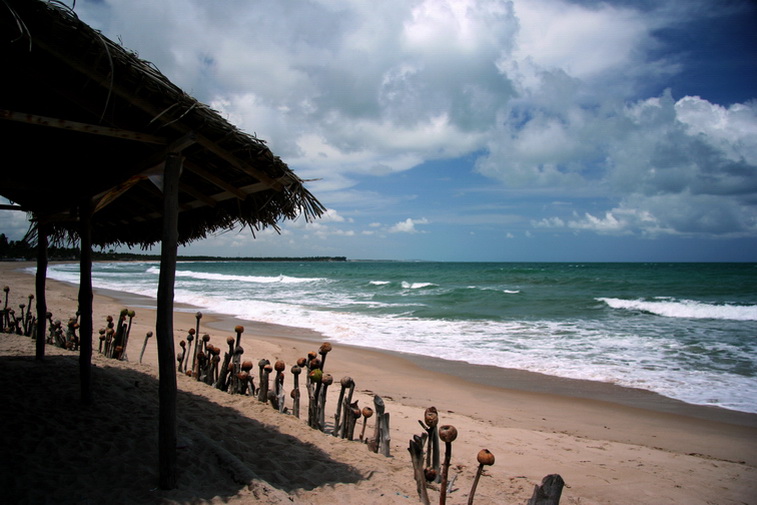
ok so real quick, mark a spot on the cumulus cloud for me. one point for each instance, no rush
(407, 226)
(544, 93)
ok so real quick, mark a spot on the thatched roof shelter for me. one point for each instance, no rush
(85, 118)
(98, 145)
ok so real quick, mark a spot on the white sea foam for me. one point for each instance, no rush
(615, 351)
(417, 285)
(259, 279)
(669, 307)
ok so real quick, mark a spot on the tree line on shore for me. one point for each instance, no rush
(16, 250)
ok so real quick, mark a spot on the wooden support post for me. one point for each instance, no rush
(85, 301)
(167, 468)
(549, 492)
(40, 283)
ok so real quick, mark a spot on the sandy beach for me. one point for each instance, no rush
(611, 445)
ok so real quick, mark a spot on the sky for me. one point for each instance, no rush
(478, 130)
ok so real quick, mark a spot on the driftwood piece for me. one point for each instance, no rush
(549, 492)
(144, 345)
(344, 428)
(381, 436)
(351, 415)
(416, 457)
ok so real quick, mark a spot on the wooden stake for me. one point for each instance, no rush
(346, 382)
(416, 457)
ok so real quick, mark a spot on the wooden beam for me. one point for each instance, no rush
(236, 162)
(75, 126)
(213, 179)
(154, 168)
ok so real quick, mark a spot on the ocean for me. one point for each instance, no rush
(683, 330)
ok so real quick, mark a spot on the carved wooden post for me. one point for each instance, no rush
(125, 354)
(326, 381)
(243, 378)
(144, 345)
(549, 492)
(198, 344)
(211, 365)
(263, 377)
(23, 318)
(188, 362)
(367, 413)
(102, 339)
(222, 382)
(345, 383)
(180, 357)
(323, 351)
(352, 415)
(314, 385)
(296, 370)
(278, 386)
(431, 420)
(448, 434)
(5, 323)
(247, 368)
(109, 341)
(485, 458)
(346, 402)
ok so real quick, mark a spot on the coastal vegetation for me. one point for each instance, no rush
(15, 250)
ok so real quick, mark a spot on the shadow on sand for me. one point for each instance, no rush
(55, 450)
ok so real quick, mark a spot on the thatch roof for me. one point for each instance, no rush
(83, 118)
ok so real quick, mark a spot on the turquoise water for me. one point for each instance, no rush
(686, 331)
